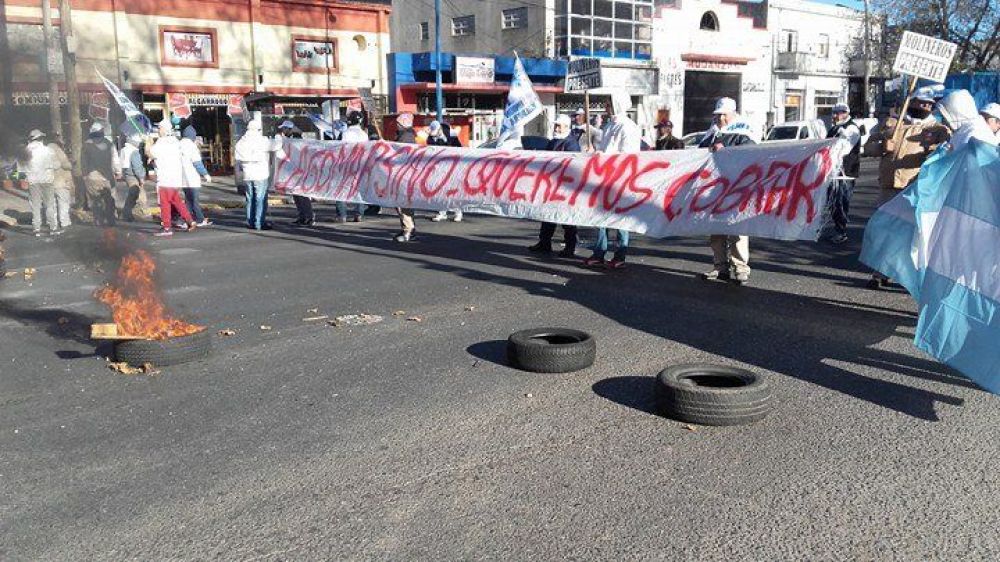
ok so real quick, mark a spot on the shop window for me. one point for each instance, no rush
(623, 30)
(581, 7)
(463, 26)
(824, 102)
(189, 46)
(709, 22)
(793, 107)
(623, 11)
(643, 51)
(515, 18)
(580, 26)
(602, 28)
(580, 46)
(313, 54)
(561, 26)
(602, 48)
(425, 31)
(623, 49)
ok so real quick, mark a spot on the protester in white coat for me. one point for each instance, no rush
(959, 112)
(991, 113)
(40, 174)
(172, 167)
(253, 154)
(621, 136)
(192, 182)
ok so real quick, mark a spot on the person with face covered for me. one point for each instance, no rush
(562, 141)
(991, 113)
(904, 152)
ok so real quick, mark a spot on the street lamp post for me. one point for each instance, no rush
(439, 96)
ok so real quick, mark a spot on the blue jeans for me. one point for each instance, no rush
(191, 197)
(842, 193)
(256, 203)
(342, 209)
(601, 246)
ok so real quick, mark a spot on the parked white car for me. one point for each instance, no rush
(796, 130)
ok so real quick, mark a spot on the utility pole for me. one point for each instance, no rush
(6, 72)
(72, 92)
(438, 94)
(50, 70)
(868, 61)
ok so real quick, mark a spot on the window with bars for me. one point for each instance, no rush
(463, 26)
(515, 18)
(425, 31)
(604, 28)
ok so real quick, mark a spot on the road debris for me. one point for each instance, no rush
(399, 313)
(126, 369)
(529, 395)
(355, 320)
(29, 273)
(265, 328)
(690, 427)
(315, 318)
(470, 308)
(414, 319)
(313, 311)
(226, 333)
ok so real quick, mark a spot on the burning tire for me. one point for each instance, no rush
(551, 350)
(713, 395)
(161, 353)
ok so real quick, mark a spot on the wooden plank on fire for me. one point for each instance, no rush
(109, 331)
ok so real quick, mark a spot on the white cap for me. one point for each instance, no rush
(580, 111)
(926, 93)
(35, 134)
(165, 127)
(991, 110)
(563, 120)
(621, 102)
(841, 108)
(725, 105)
(96, 127)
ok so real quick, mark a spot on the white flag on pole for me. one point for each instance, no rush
(523, 104)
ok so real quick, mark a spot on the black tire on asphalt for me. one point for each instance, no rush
(551, 350)
(707, 394)
(161, 353)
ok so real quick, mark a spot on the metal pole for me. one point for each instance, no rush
(6, 73)
(438, 94)
(50, 71)
(72, 89)
(586, 117)
(868, 61)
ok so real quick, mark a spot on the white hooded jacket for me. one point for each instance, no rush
(41, 166)
(959, 111)
(622, 135)
(253, 152)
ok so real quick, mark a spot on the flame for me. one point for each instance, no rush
(136, 305)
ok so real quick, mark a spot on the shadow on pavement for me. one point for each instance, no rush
(494, 351)
(638, 393)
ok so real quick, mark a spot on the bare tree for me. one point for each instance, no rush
(974, 25)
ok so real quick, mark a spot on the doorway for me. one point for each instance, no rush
(701, 91)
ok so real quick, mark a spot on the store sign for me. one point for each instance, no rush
(235, 106)
(28, 99)
(178, 105)
(714, 65)
(924, 57)
(475, 70)
(188, 48)
(207, 100)
(583, 75)
(313, 55)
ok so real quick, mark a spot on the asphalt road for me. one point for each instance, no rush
(410, 440)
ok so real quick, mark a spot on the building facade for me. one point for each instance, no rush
(818, 59)
(205, 52)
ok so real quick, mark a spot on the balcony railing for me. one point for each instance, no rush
(795, 62)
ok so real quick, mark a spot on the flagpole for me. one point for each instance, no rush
(438, 94)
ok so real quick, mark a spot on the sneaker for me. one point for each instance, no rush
(839, 239)
(164, 232)
(592, 261)
(403, 237)
(192, 226)
(714, 274)
(342, 219)
(567, 253)
(358, 218)
(205, 223)
(267, 226)
(439, 217)
(38, 233)
(458, 217)
(181, 225)
(740, 278)
(56, 232)
(874, 283)
(540, 248)
(616, 263)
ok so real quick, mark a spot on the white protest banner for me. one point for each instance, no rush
(773, 190)
(924, 57)
(523, 104)
(475, 70)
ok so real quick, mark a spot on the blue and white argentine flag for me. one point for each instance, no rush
(940, 239)
(523, 104)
